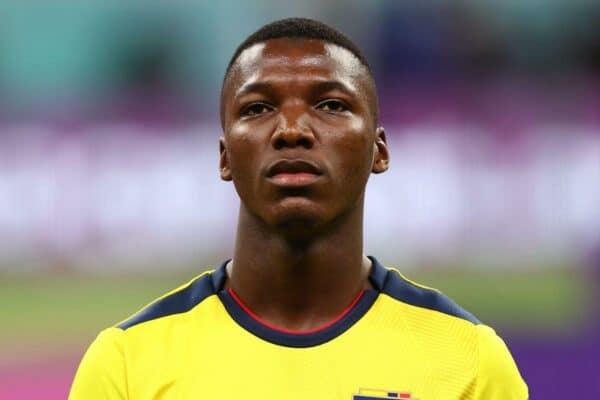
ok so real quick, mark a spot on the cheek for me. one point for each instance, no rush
(245, 143)
(357, 154)
(241, 165)
(360, 162)
(353, 160)
(240, 144)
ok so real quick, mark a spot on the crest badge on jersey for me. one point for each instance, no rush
(377, 394)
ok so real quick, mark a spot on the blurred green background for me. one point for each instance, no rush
(110, 196)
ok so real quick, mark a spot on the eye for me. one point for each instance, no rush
(255, 109)
(332, 106)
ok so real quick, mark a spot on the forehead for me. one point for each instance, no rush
(298, 60)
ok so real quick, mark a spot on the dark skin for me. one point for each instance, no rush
(299, 143)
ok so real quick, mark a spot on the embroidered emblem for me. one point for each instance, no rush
(377, 394)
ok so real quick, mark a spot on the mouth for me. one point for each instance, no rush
(293, 173)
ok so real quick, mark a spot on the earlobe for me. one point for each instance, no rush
(381, 156)
(224, 170)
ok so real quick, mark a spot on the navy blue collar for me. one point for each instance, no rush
(377, 277)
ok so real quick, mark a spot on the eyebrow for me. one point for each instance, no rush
(254, 87)
(330, 86)
(318, 87)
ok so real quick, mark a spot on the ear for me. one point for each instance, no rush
(381, 155)
(224, 161)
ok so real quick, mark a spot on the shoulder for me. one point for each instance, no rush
(101, 373)
(178, 301)
(445, 328)
(407, 291)
(498, 376)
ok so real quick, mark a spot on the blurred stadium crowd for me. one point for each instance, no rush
(109, 126)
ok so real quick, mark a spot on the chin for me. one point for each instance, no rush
(299, 231)
(298, 219)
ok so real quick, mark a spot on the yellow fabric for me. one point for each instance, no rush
(203, 354)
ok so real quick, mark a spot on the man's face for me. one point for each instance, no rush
(299, 137)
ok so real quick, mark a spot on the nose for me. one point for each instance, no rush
(293, 130)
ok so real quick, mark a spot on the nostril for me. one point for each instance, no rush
(279, 143)
(305, 142)
(292, 138)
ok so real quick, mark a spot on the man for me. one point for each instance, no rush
(299, 312)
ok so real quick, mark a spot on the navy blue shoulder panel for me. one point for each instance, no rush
(399, 288)
(181, 301)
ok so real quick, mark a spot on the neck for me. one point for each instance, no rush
(296, 283)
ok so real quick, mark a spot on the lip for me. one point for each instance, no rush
(293, 173)
(292, 167)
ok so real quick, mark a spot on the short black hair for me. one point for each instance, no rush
(300, 28)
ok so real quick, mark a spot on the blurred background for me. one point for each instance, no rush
(110, 194)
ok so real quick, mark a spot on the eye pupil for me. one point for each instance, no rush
(256, 109)
(333, 105)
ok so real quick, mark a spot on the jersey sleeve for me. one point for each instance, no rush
(498, 377)
(101, 373)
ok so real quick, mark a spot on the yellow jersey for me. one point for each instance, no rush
(399, 340)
